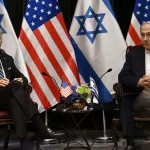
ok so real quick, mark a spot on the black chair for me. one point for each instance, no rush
(141, 117)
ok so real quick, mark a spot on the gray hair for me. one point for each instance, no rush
(146, 22)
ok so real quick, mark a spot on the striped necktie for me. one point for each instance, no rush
(1, 71)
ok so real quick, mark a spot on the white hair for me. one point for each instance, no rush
(146, 22)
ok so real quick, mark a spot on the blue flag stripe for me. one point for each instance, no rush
(108, 5)
(2, 2)
(86, 71)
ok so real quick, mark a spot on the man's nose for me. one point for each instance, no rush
(145, 38)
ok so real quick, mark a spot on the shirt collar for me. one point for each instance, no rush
(147, 52)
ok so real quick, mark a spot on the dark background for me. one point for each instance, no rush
(123, 10)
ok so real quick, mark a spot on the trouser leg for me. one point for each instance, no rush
(18, 117)
(126, 115)
(22, 107)
(40, 127)
(15, 98)
(23, 97)
(16, 90)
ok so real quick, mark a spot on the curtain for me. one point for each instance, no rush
(16, 10)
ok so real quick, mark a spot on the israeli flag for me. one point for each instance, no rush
(98, 44)
(94, 90)
(10, 42)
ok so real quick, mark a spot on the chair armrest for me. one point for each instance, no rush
(119, 91)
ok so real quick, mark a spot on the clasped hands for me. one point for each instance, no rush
(144, 82)
(5, 81)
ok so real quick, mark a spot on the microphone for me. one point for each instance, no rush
(45, 74)
(109, 70)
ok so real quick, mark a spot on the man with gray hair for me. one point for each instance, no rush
(14, 98)
(135, 80)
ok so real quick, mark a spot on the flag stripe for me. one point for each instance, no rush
(129, 40)
(36, 99)
(139, 16)
(66, 92)
(44, 53)
(134, 35)
(61, 20)
(85, 67)
(135, 24)
(65, 89)
(51, 57)
(39, 91)
(40, 80)
(63, 49)
(68, 55)
(55, 51)
(38, 62)
(41, 53)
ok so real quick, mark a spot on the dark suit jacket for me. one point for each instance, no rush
(10, 69)
(15, 90)
(133, 70)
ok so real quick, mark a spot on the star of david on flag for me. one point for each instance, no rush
(95, 34)
(84, 22)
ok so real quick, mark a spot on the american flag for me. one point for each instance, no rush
(65, 89)
(47, 48)
(141, 14)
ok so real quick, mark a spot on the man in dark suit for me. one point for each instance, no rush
(135, 79)
(14, 97)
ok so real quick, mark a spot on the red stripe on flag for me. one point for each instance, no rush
(39, 64)
(38, 90)
(50, 55)
(61, 21)
(66, 91)
(62, 48)
(134, 35)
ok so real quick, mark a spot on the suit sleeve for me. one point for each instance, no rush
(126, 78)
(17, 74)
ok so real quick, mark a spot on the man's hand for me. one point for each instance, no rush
(141, 83)
(4, 82)
(19, 79)
(147, 81)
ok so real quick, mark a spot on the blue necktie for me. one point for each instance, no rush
(1, 71)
